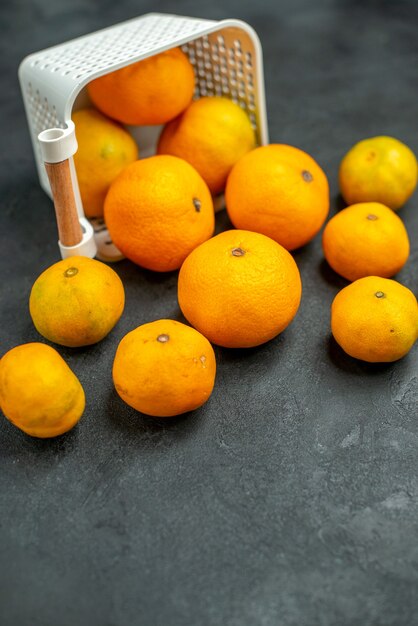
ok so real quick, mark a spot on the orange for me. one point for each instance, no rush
(375, 319)
(379, 169)
(279, 191)
(104, 149)
(76, 302)
(164, 368)
(366, 239)
(158, 210)
(38, 392)
(240, 289)
(152, 91)
(212, 134)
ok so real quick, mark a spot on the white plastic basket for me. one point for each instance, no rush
(226, 55)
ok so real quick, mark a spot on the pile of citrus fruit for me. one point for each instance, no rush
(238, 289)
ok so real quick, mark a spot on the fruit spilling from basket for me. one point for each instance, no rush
(238, 289)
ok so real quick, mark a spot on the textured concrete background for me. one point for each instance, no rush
(291, 498)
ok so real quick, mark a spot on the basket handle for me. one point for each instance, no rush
(76, 235)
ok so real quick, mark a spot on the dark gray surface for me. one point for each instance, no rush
(291, 498)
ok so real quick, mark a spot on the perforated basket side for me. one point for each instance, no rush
(227, 64)
(112, 47)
